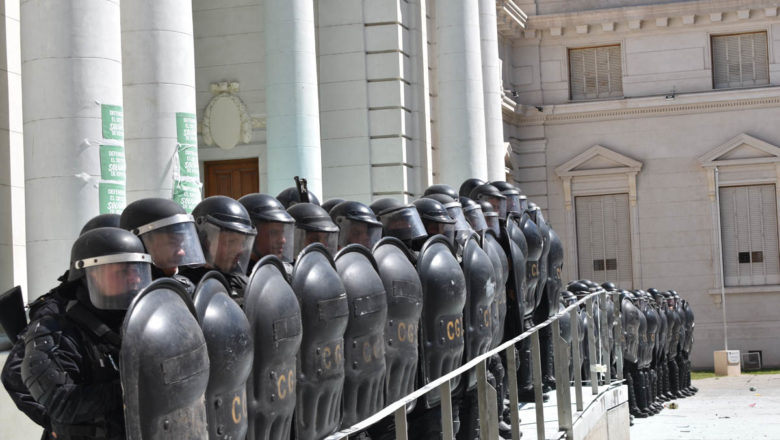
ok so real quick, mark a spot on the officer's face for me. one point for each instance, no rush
(317, 237)
(116, 278)
(227, 250)
(358, 233)
(270, 239)
(166, 249)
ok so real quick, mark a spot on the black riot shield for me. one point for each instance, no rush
(275, 322)
(516, 250)
(501, 267)
(687, 345)
(552, 289)
(164, 365)
(320, 367)
(230, 347)
(544, 232)
(404, 306)
(533, 238)
(444, 295)
(364, 371)
(480, 295)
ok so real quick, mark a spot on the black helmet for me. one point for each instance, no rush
(400, 221)
(491, 216)
(357, 224)
(441, 188)
(609, 286)
(468, 185)
(385, 204)
(472, 211)
(274, 226)
(101, 221)
(512, 194)
(291, 196)
(115, 266)
(331, 203)
(166, 230)
(493, 195)
(220, 220)
(653, 291)
(578, 287)
(313, 224)
(435, 218)
(454, 210)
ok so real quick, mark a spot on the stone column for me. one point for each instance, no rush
(72, 74)
(158, 65)
(491, 86)
(461, 102)
(291, 95)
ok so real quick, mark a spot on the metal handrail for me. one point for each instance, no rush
(564, 396)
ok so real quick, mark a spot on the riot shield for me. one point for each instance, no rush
(533, 238)
(516, 249)
(364, 371)
(444, 295)
(275, 322)
(689, 325)
(164, 365)
(320, 364)
(480, 294)
(404, 306)
(554, 285)
(501, 267)
(230, 347)
(544, 231)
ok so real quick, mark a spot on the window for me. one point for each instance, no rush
(604, 239)
(740, 60)
(748, 218)
(595, 72)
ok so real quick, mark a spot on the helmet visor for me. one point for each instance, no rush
(404, 224)
(445, 229)
(476, 219)
(498, 203)
(274, 238)
(227, 250)
(513, 203)
(304, 238)
(456, 212)
(359, 232)
(492, 221)
(174, 245)
(112, 286)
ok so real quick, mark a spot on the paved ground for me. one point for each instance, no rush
(724, 408)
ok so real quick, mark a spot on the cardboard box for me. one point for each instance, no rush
(727, 363)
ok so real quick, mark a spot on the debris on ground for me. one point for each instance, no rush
(752, 388)
(752, 405)
(673, 405)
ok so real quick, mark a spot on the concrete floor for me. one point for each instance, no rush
(724, 408)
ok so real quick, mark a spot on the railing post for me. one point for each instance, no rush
(446, 411)
(401, 429)
(561, 366)
(604, 336)
(577, 368)
(592, 361)
(511, 366)
(536, 361)
(486, 396)
(618, 335)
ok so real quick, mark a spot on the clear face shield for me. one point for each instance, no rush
(499, 204)
(305, 237)
(491, 218)
(513, 203)
(357, 232)
(462, 227)
(227, 251)
(445, 229)
(404, 224)
(114, 280)
(174, 245)
(476, 219)
(274, 238)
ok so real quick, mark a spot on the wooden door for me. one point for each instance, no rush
(232, 178)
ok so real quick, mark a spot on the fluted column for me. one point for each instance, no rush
(158, 63)
(461, 102)
(291, 95)
(72, 98)
(491, 86)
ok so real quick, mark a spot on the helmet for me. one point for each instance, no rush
(313, 224)
(357, 224)
(114, 264)
(473, 213)
(435, 218)
(166, 230)
(512, 195)
(468, 185)
(226, 233)
(441, 188)
(609, 286)
(331, 203)
(493, 195)
(385, 204)
(274, 226)
(101, 221)
(400, 221)
(454, 210)
(291, 196)
(491, 216)
(578, 287)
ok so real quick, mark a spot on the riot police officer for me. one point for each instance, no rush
(71, 360)
(274, 228)
(357, 224)
(400, 221)
(312, 225)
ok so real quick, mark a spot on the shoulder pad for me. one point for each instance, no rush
(43, 327)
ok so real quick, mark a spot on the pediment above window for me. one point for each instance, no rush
(598, 160)
(741, 150)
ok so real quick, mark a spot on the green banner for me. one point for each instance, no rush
(113, 121)
(112, 163)
(188, 161)
(187, 128)
(186, 194)
(113, 197)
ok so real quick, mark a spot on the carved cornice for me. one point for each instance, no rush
(646, 17)
(633, 108)
(510, 19)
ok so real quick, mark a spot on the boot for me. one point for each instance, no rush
(548, 368)
(633, 406)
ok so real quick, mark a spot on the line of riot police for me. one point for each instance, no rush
(268, 318)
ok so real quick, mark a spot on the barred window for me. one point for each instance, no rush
(595, 72)
(740, 60)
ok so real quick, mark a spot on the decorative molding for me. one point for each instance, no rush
(608, 26)
(226, 91)
(510, 19)
(715, 156)
(625, 163)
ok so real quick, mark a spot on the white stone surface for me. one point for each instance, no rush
(492, 89)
